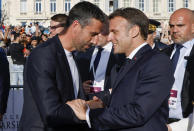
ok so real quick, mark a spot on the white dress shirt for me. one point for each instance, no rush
(136, 50)
(74, 72)
(99, 75)
(176, 110)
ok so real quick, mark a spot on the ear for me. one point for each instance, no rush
(75, 25)
(134, 31)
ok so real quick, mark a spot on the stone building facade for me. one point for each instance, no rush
(19, 12)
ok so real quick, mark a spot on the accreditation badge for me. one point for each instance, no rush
(97, 86)
(173, 99)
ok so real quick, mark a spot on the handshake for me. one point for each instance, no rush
(80, 106)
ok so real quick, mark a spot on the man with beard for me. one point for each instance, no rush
(51, 74)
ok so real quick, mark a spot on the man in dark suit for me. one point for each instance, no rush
(51, 74)
(96, 64)
(4, 82)
(182, 56)
(140, 88)
(152, 40)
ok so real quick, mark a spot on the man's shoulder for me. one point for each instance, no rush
(159, 54)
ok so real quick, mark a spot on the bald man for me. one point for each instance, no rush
(182, 57)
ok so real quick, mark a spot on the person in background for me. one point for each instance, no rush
(34, 43)
(44, 38)
(4, 82)
(182, 56)
(153, 24)
(57, 24)
(17, 52)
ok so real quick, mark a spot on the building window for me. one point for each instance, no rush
(141, 5)
(23, 6)
(67, 5)
(38, 6)
(171, 6)
(185, 4)
(23, 23)
(97, 2)
(111, 6)
(126, 3)
(53, 6)
(155, 6)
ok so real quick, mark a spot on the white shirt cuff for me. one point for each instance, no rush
(87, 117)
(180, 125)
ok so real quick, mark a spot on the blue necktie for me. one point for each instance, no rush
(97, 59)
(176, 55)
(95, 64)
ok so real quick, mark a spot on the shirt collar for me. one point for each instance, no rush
(68, 53)
(108, 46)
(189, 44)
(136, 50)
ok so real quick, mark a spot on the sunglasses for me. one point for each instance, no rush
(56, 26)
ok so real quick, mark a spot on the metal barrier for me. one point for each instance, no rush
(13, 113)
(12, 116)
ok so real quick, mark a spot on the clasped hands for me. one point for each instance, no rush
(80, 106)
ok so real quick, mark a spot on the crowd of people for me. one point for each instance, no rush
(99, 72)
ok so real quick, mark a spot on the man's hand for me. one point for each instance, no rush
(86, 86)
(169, 128)
(79, 107)
(95, 103)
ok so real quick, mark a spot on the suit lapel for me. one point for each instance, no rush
(89, 55)
(126, 67)
(81, 93)
(111, 62)
(64, 65)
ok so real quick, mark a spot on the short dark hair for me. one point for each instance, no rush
(134, 17)
(83, 12)
(61, 18)
(16, 35)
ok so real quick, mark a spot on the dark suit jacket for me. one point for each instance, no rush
(139, 99)
(187, 94)
(160, 46)
(47, 87)
(4, 81)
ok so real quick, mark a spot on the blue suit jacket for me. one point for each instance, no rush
(139, 99)
(4, 81)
